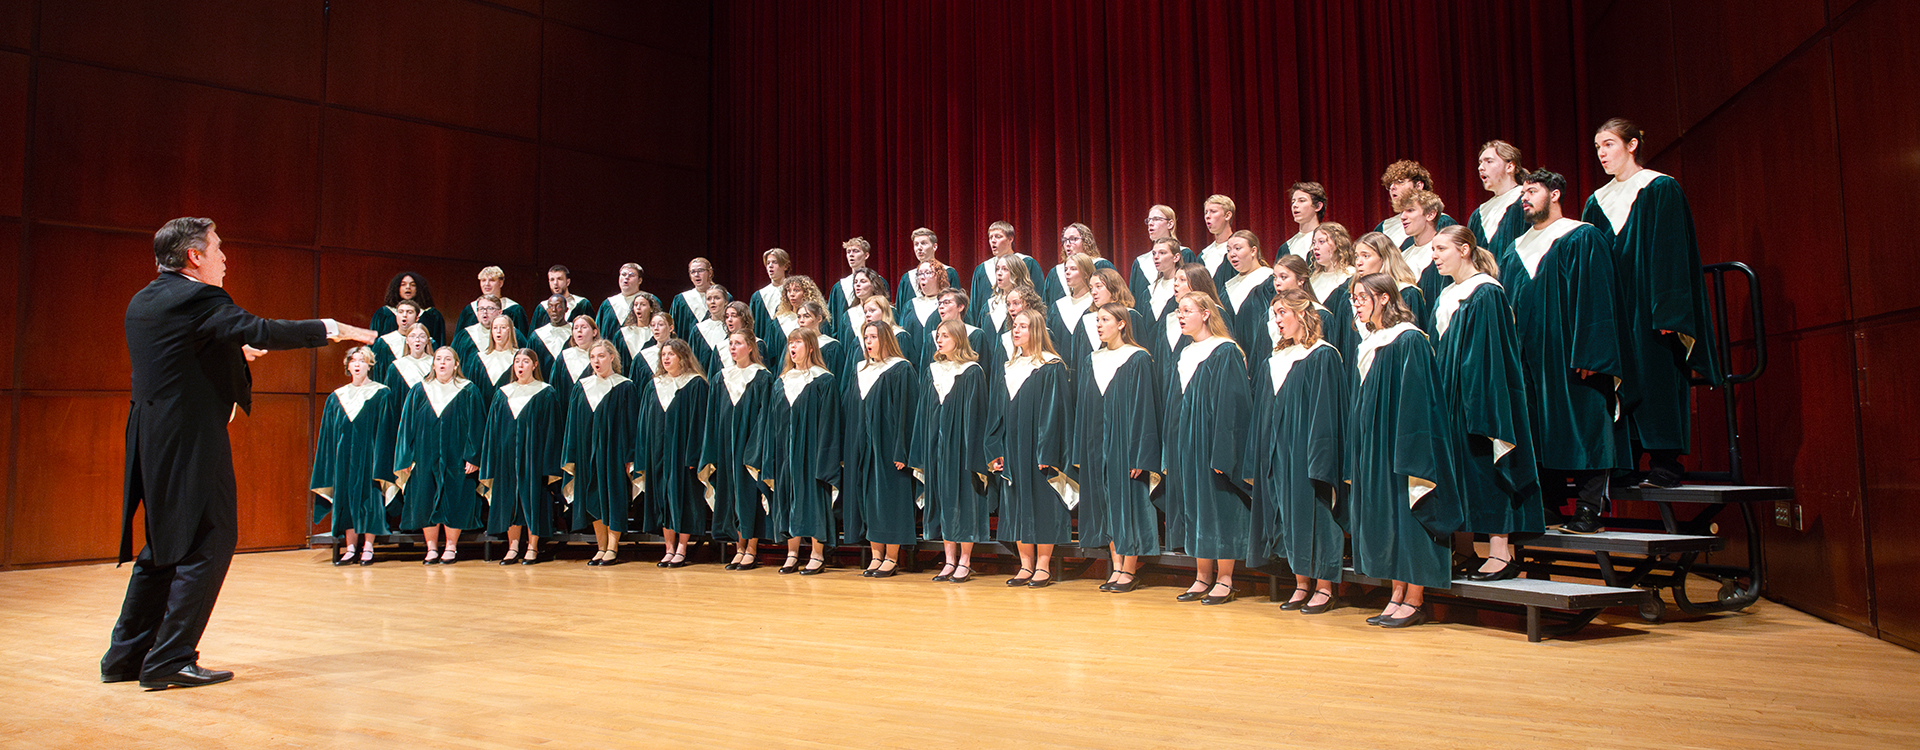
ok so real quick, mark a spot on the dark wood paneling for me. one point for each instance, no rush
(1630, 72)
(681, 26)
(13, 131)
(1729, 43)
(1806, 438)
(272, 46)
(1779, 214)
(72, 463)
(613, 97)
(111, 267)
(274, 282)
(401, 187)
(1888, 406)
(16, 23)
(619, 211)
(449, 61)
(10, 281)
(125, 150)
(8, 500)
(1874, 55)
(273, 460)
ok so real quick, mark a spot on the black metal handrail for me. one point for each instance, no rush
(1722, 344)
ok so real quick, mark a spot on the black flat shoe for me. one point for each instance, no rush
(531, 558)
(733, 566)
(748, 565)
(1661, 477)
(791, 566)
(1037, 583)
(191, 675)
(365, 561)
(962, 578)
(346, 559)
(1375, 620)
(1321, 608)
(1505, 572)
(810, 570)
(1419, 617)
(513, 556)
(1133, 582)
(880, 572)
(1210, 600)
(943, 577)
(1018, 580)
(1193, 596)
(1293, 604)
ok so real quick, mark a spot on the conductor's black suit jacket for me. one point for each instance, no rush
(184, 339)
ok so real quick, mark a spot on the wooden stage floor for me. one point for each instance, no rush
(562, 655)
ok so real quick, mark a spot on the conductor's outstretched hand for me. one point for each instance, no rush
(355, 333)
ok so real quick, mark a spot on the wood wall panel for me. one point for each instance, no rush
(402, 187)
(599, 92)
(111, 266)
(1874, 55)
(16, 23)
(274, 282)
(1889, 401)
(1631, 52)
(678, 26)
(126, 150)
(620, 209)
(13, 131)
(72, 458)
(1741, 204)
(451, 61)
(273, 460)
(8, 500)
(1729, 43)
(272, 46)
(9, 280)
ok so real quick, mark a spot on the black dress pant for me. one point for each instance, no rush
(167, 607)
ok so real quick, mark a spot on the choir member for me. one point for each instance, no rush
(800, 453)
(851, 317)
(733, 423)
(491, 366)
(877, 307)
(1561, 281)
(1665, 330)
(926, 249)
(813, 316)
(1418, 212)
(1114, 447)
(1400, 178)
(1026, 445)
(555, 332)
(1405, 502)
(597, 452)
(988, 277)
(708, 340)
(919, 315)
(411, 286)
(661, 328)
(1307, 202)
(1217, 212)
(413, 365)
(614, 311)
(1333, 259)
(1075, 240)
(1019, 300)
(437, 454)
(560, 284)
(353, 458)
(1498, 221)
(844, 298)
(575, 361)
(1159, 300)
(1205, 431)
(1245, 296)
(690, 307)
(1477, 354)
(392, 344)
(1067, 313)
(767, 298)
(666, 460)
(492, 281)
(877, 500)
(1105, 287)
(469, 339)
(785, 317)
(1375, 253)
(1149, 269)
(1008, 274)
(635, 331)
(1300, 409)
(1290, 272)
(948, 453)
(953, 306)
(520, 458)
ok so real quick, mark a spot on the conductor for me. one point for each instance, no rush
(190, 345)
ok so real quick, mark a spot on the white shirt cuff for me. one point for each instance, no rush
(333, 327)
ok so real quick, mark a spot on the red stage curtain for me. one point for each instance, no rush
(866, 117)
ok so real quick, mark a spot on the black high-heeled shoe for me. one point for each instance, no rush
(751, 564)
(1375, 620)
(447, 557)
(947, 575)
(734, 564)
(957, 578)
(1037, 583)
(1293, 604)
(1020, 580)
(1506, 571)
(532, 557)
(1321, 608)
(791, 566)
(346, 558)
(366, 556)
(1194, 596)
(811, 570)
(881, 572)
(1210, 600)
(1133, 582)
(1418, 617)
(512, 556)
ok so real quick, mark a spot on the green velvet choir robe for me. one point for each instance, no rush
(726, 467)
(1344, 331)
(709, 344)
(598, 451)
(918, 317)
(839, 300)
(773, 339)
(1066, 321)
(628, 341)
(1420, 260)
(800, 454)
(948, 454)
(981, 289)
(1161, 337)
(1053, 285)
(1560, 281)
(1657, 261)
(847, 322)
(1301, 406)
(688, 308)
(1245, 300)
(1116, 430)
(1498, 222)
(387, 320)
(1478, 357)
(468, 340)
(387, 348)
(441, 425)
(1142, 278)
(1417, 302)
(1214, 257)
(521, 456)
(906, 289)
(612, 314)
(488, 371)
(877, 503)
(1405, 503)
(983, 342)
(761, 305)
(353, 459)
(1205, 437)
(567, 369)
(405, 373)
(1083, 345)
(672, 421)
(834, 353)
(548, 341)
(508, 307)
(1027, 428)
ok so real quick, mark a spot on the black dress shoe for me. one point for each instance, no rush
(191, 675)
(1661, 477)
(1223, 599)
(1133, 582)
(733, 566)
(1505, 572)
(1108, 586)
(813, 571)
(1375, 620)
(1321, 608)
(957, 578)
(792, 566)
(347, 560)
(749, 565)
(1041, 583)
(1585, 521)
(1293, 604)
(122, 677)
(1194, 596)
(1419, 617)
(530, 559)
(1020, 580)
(944, 577)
